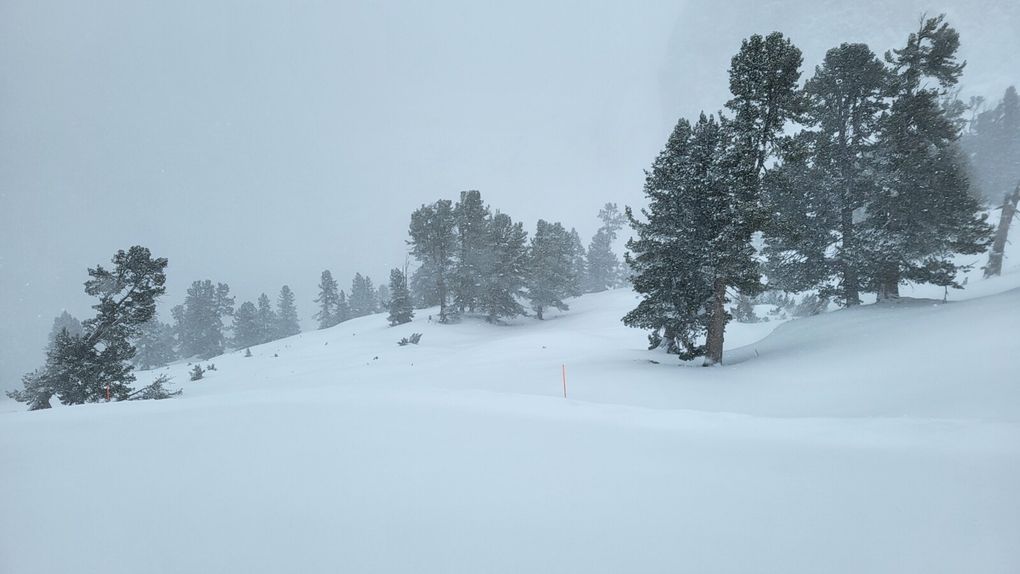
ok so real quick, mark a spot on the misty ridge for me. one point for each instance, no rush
(387, 287)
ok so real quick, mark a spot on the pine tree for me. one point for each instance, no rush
(550, 271)
(328, 300)
(433, 243)
(994, 148)
(504, 272)
(827, 175)
(205, 307)
(65, 321)
(286, 314)
(247, 330)
(471, 216)
(154, 346)
(267, 322)
(343, 308)
(579, 265)
(362, 301)
(923, 212)
(603, 264)
(694, 243)
(95, 364)
(401, 310)
(383, 297)
(424, 287)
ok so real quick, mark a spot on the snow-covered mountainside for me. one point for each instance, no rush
(879, 439)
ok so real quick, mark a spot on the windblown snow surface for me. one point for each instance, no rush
(879, 439)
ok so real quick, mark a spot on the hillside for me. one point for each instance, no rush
(879, 439)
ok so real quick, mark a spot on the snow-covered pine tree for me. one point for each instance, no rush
(205, 306)
(286, 314)
(266, 320)
(550, 268)
(154, 346)
(603, 264)
(827, 175)
(64, 321)
(343, 308)
(362, 300)
(923, 212)
(328, 300)
(401, 310)
(503, 274)
(247, 330)
(424, 288)
(579, 265)
(88, 367)
(471, 216)
(993, 146)
(694, 243)
(433, 243)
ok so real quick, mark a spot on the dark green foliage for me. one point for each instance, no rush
(197, 373)
(414, 339)
(401, 310)
(603, 267)
(923, 212)
(266, 319)
(471, 216)
(433, 243)
(504, 268)
(328, 300)
(247, 330)
(362, 301)
(201, 324)
(286, 314)
(90, 366)
(550, 267)
(154, 346)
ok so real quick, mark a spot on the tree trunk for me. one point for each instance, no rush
(716, 325)
(851, 289)
(889, 283)
(994, 267)
(538, 313)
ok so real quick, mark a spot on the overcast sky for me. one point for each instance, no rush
(258, 143)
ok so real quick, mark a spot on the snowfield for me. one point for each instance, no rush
(878, 439)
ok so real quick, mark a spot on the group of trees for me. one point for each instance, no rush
(474, 260)
(335, 306)
(870, 192)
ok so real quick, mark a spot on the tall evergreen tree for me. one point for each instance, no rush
(424, 287)
(694, 243)
(328, 300)
(343, 308)
(95, 364)
(64, 321)
(383, 297)
(154, 346)
(579, 265)
(433, 243)
(286, 314)
(202, 329)
(994, 148)
(471, 216)
(922, 213)
(504, 272)
(267, 321)
(401, 310)
(603, 264)
(550, 270)
(828, 175)
(247, 330)
(363, 296)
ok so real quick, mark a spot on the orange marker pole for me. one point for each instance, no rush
(564, 367)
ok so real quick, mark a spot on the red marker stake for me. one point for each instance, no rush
(564, 367)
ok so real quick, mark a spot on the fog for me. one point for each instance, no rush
(258, 144)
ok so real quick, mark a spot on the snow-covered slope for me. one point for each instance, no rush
(879, 439)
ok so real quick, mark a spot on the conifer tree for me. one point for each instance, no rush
(267, 321)
(922, 212)
(247, 330)
(828, 174)
(202, 329)
(383, 297)
(471, 217)
(401, 310)
(550, 270)
(504, 272)
(154, 346)
(328, 300)
(603, 264)
(433, 243)
(92, 365)
(286, 314)
(65, 321)
(994, 148)
(579, 265)
(362, 301)
(343, 308)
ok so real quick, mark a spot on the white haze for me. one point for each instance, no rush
(258, 143)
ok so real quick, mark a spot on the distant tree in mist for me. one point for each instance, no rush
(433, 243)
(287, 323)
(328, 300)
(400, 307)
(154, 345)
(65, 321)
(550, 271)
(247, 330)
(201, 319)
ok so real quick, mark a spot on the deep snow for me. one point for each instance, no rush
(879, 439)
